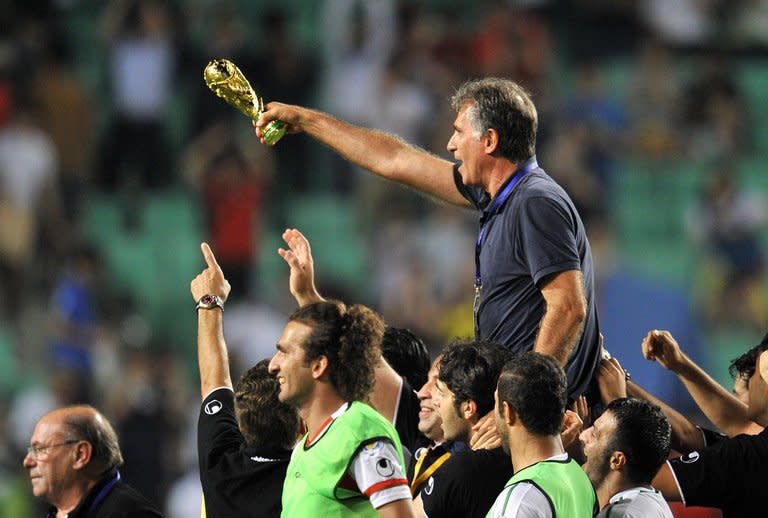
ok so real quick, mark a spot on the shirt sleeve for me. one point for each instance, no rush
(378, 473)
(523, 500)
(547, 231)
(217, 430)
(703, 476)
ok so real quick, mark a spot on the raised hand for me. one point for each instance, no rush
(210, 281)
(299, 259)
(661, 347)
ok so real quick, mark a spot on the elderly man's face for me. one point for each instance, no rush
(50, 461)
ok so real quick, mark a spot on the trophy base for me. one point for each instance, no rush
(273, 132)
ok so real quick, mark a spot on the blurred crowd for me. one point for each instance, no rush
(104, 101)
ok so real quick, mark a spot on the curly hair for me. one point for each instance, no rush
(350, 337)
(744, 366)
(534, 386)
(470, 369)
(505, 106)
(262, 418)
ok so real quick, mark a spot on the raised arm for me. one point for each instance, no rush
(212, 355)
(384, 396)
(720, 406)
(381, 153)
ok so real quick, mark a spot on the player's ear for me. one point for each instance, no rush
(318, 366)
(490, 141)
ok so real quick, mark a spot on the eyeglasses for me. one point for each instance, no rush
(37, 451)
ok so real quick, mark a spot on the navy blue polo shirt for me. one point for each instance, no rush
(535, 233)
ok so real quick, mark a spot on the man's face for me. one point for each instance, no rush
(290, 366)
(596, 440)
(51, 469)
(466, 147)
(429, 417)
(455, 427)
(758, 396)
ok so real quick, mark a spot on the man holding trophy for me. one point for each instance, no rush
(534, 285)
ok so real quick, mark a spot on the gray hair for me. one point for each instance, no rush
(504, 106)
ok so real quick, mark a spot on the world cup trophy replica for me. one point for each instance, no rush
(228, 82)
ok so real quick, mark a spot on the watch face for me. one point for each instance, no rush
(208, 300)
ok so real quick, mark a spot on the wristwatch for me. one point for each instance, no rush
(210, 301)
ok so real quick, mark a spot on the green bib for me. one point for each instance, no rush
(312, 481)
(566, 486)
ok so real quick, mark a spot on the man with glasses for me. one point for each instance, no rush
(73, 460)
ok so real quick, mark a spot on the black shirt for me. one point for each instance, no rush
(407, 421)
(467, 484)
(537, 232)
(730, 475)
(237, 480)
(112, 498)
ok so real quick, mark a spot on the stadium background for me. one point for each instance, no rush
(116, 161)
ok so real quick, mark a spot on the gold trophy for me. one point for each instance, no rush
(225, 79)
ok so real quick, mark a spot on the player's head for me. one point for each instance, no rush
(533, 387)
(631, 438)
(407, 354)
(328, 341)
(746, 385)
(430, 423)
(504, 106)
(466, 381)
(263, 419)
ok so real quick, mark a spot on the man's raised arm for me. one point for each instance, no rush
(211, 348)
(381, 153)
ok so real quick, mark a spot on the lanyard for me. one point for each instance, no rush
(496, 204)
(420, 478)
(103, 493)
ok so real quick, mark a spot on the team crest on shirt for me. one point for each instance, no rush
(429, 486)
(213, 406)
(690, 458)
(384, 467)
(372, 449)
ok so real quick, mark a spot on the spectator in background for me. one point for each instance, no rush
(29, 169)
(233, 183)
(655, 101)
(74, 316)
(728, 221)
(625, 447)
(715, 111)
(73, 460)
(142, 58)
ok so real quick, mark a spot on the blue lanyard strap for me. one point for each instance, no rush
(496, 204)
(103, 493)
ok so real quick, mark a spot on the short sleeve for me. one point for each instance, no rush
(702, 477)
(547, 231)
(217, 430)
(379, 474)
(523, 500)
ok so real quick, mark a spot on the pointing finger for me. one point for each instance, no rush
(210, 259)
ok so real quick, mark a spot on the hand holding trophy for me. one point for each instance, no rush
(228, 82)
